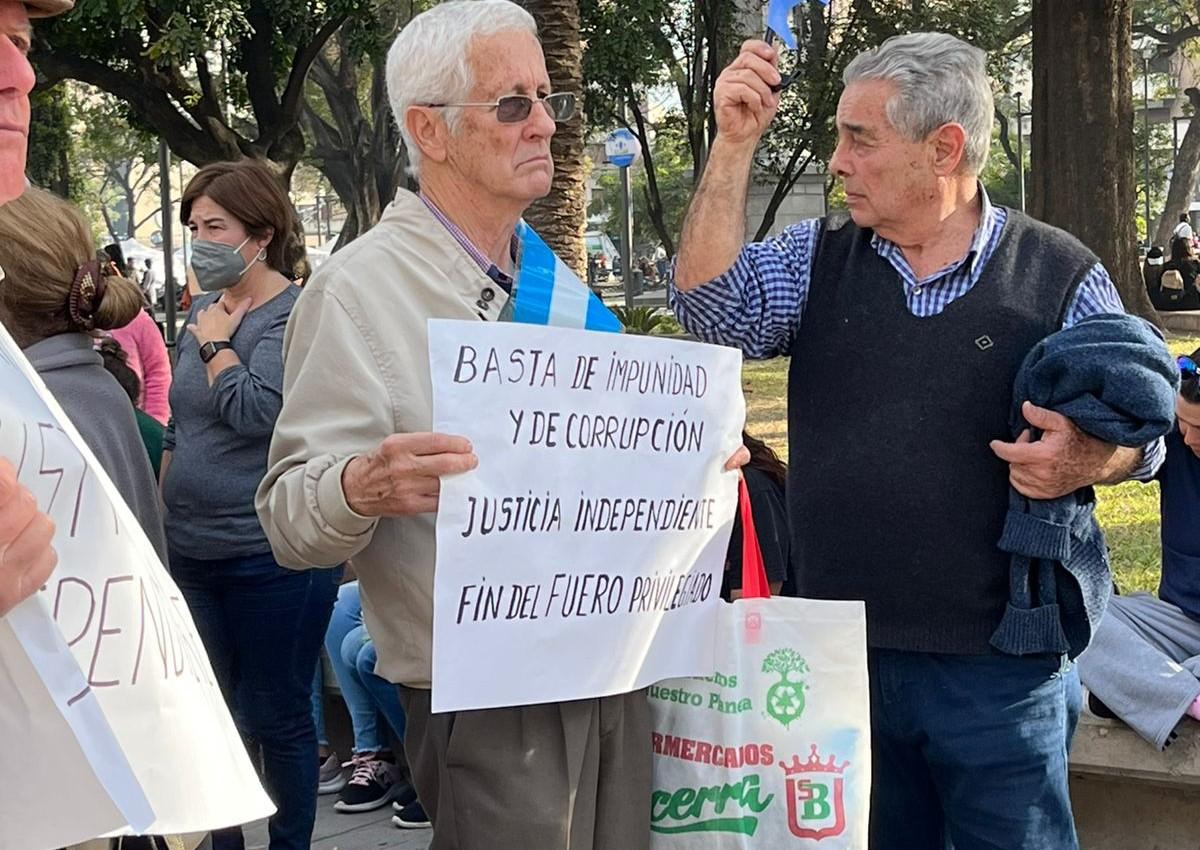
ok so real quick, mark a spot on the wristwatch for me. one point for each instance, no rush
(209, 350)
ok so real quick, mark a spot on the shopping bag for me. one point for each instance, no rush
(773, 750)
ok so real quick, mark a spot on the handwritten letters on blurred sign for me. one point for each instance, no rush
(108, 699)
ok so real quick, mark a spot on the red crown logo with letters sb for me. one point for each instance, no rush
(815, 788)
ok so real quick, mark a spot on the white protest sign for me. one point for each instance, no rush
(108, 704)
(584, 556)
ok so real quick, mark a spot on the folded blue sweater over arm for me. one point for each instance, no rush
(1113, 376)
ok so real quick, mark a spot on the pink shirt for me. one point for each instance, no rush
(147, 356)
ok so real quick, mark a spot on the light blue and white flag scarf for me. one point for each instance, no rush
(547, 292)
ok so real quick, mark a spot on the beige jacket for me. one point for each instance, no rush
(356, 371)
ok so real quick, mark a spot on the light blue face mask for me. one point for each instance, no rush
(219, 266)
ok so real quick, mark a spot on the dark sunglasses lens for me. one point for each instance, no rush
(510, 110)
(561, 106)
(1187, 365)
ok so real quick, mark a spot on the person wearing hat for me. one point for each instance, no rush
(26, 556)
(16, 82)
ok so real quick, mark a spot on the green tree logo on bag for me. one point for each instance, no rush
(785, 698)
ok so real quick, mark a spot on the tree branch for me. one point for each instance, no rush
(255, 59)
(1019, 26)
(108, 222)
(1172, 41)
(148, 217)
(294, 92)
(1002, 120)
(149, 103)
(208, 91)
(328, 144)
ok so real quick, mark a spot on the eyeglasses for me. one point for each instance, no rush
(515, 108)
(1188, 367)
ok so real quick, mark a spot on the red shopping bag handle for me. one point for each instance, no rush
(754, 574)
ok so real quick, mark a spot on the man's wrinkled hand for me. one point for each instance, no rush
(1061, 462)
(403, 476)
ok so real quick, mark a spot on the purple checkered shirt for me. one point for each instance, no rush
(489, 268)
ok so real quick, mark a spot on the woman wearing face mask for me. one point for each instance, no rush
(262, 624)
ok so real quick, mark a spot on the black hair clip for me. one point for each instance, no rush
(785, 80)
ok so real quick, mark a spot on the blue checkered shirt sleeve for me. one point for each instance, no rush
(1097, 294)
(757, 304)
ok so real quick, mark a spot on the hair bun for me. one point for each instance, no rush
(86, 295)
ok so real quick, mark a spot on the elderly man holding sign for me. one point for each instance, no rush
(906, 327)
(354, 473)
(26, 556)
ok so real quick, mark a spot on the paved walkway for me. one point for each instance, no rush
(337, 831)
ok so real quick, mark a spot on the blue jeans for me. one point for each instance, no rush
(318, 706)
(970, 752)
(262, 625)
(367, 696)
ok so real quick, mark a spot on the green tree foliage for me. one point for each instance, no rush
(673, 166)
(50, 142)
(216, 80)
(1171, 29)
(119, 161)
(1160, 166)
(354, 139)
(635, 51)
(639, 50)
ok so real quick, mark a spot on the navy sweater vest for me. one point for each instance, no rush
(894, 495)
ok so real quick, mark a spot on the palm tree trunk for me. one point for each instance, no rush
(560, 216)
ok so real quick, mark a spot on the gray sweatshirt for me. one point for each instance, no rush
(219, 436)
(102, 413)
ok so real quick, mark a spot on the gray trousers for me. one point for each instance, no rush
(1144, 664)
(563, 776)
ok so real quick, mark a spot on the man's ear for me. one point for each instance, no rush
(428, 130)
(949, 149)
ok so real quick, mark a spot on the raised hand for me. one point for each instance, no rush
(742, 98)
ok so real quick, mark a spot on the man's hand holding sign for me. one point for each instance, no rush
(403, 476)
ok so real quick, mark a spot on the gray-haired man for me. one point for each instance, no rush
(354, 472)
(906, 327)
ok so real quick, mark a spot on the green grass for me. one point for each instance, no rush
(1128, 512)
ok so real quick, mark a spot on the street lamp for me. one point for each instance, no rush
(1148, 52)
(1021, 150)
(320, 218)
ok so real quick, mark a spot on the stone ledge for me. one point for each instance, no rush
(1181, 322)
(1108, 748)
